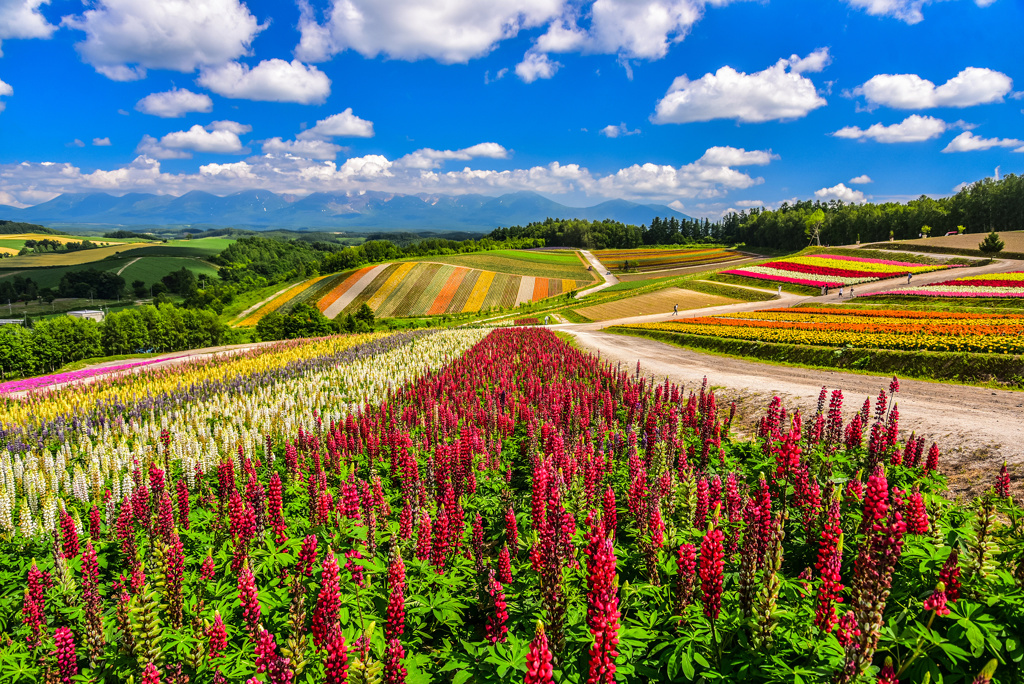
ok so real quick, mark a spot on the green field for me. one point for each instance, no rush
(553, 264)
(148, 269)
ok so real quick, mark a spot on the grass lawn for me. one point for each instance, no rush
(542, 264)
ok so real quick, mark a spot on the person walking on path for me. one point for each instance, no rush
(675, 309)
(780, 292)
(909, 276)
(840, 291)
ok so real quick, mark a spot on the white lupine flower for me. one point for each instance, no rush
(49, 513)
(6, 513)
(26, 523)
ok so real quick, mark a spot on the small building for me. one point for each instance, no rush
(92, 314)
(12, 321)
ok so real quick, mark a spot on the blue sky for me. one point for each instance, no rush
(706, 105)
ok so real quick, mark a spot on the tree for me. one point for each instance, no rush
(61, 340)
(365, 314)
(991, 244)
(124, 332)
(17, 356)
(813, 224)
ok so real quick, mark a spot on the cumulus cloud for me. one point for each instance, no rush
(272, 80)
(174, 103)
(908, 11)
(342, 125)
(449, 31)
(968, 142)
(812, 63)
(5, 91)
(101, 142)
(123, 38)
(282, 171)
(777, 93)
(841, 192)
(307, 149)
(861, 180)
(428, 158)
(22, 19)
(536, 65)
(972, 86)
(914, 128)
(219, 137)
(612, 131)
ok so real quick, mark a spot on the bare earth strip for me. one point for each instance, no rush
(660, 301)
(354, 291)
(525, 293)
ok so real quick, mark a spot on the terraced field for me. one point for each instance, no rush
(644, 260)
(416, 289)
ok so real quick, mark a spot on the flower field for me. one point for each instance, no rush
(830, 270)
(416, 289)
(1000, 285)
(662, 259)
(866, 328)
(466, 506)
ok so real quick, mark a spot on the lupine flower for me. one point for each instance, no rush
(150, 675)
(275, 507)
(394, 671)
(208, 569)
(395, 626)
(686, 566)
(829, 564)
(497, 621)
(538, 661)
(712, 565)
(164, 517)
(424, 536)
(1003, 483)
(987, 673)
(249, 598)
(184, 507)
(932, 462)
(336, 663)
(511, 527)
(70, 535)
(608, 510)
(307, 556)
(937, 600)
(917, 514)
(94, 522)
(949, 575)
(478, 541)
(355, 569)
(173, 576)
(93, 604)
(603, 613)
(67, 658)
(887, 675)
(504, 565)
(34, 607)
(217, 637)
(270, 661)
(325, 615)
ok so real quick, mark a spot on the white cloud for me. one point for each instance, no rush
(307, 149)
(812, 63)
(101, 142)
(708, 177)
(612, 131)
(747, 204)
(449, 31)
(908, 11)
(644, 29)
(972, 86)
(968, 142)
(22, 19)
(914, 128)
(174, 103)
(219, 137)
(861, 180)
(9, 200)
(342, 125)
(428, 158)
(75, 143)
(500, 74)
(777, 93)
(123, 38)
(272, 80)
(536, 65)
(840, 192)
(5, 91)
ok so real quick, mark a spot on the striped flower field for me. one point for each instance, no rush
(416, 289)
(995, 285)
(661, 259)
(831, 270)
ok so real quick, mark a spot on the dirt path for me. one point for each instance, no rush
(609, 279)
(127, 265)
(977, 428)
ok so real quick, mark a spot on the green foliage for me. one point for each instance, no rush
(18, 228)
(127, 235)
(991, 244)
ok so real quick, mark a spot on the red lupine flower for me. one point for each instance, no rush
(887, 675)
(173, 576)
(712, 565)
(70, 535)
(686, 566)
(208, 569)
(894, 386)
(67, 658)
(478, 541)
(504, 565)
(307, 556)
(424, 536)
(395, 626)
(937, 600)
(1003, 483)
(275, 506)
(511, 527)
(497, 621)
(164, 517)
(325, 615)
(700, 515)
(150, 675)
(987, 673)
(405, 522)
(949, 576)
(336, 663)
(608, 510)
(439, 545)
(95, 522)
(603, 613)
(184, 507)
(932, 462)
(249, 598)
(538, 661)
(93, 603)
(917, 514)
(394, 671)
(217, 637)
(156, 479)
(33, 609)
(356, 570)
(270, 661)
(876, 498)
(829, 564)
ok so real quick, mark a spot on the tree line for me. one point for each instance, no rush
(52, 343)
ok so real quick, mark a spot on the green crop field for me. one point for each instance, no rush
(202, 248)
(151, 269)
(553, 264)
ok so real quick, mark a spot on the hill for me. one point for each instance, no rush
(261, 209)
(19, 228)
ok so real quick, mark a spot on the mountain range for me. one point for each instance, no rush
(262, 209)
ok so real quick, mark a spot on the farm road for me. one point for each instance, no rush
(599, 268)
